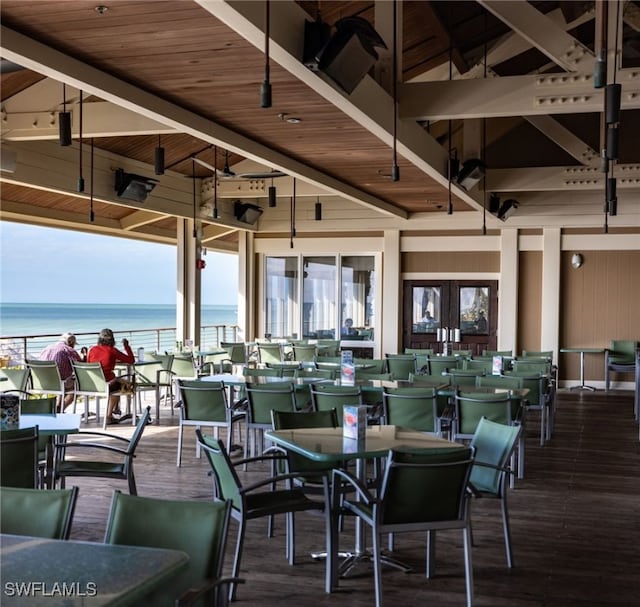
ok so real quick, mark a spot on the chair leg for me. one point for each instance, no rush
(291, 538)
(431, 553)
(179, 458)
(132, 482)
(236, 559)
(468, 566)
(507, 531)
(377, 568)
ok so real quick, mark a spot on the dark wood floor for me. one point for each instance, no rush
(575, 523)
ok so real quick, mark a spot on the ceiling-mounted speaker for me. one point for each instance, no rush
(612, 143)
(471, 173)
(613, 93)
(246, 212)
(350, 54)
(316, 36)
(133, 187)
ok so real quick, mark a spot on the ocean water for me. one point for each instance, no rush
(17, 319)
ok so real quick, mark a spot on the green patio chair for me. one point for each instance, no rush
(117, 469)
(47, 406)
(494, 445)
(401, 365)
(37, 512)
(204, 404)
(17, 379)
(44, 378)
(19, 458)
(411, 407)
(257, 500)
(198, 528)
(419, 492)
(325, 397)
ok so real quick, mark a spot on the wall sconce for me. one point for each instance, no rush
(577, 260)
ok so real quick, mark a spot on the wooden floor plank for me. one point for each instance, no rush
(575, 521)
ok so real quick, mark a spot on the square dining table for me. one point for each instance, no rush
(67, 573)
(329, 445)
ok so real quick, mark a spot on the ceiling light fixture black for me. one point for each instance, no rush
(158, 159)
(91, 214)
(193, 196)
(64, 120)
(318, 211)
(271, 192)
(265, 89)
(600, 66)
(292, 234)
(215, 182)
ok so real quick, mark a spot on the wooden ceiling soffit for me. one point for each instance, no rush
(369, 105)
(43, 59)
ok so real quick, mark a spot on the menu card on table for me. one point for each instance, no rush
(498, 364)
(354, 423)
(347, 368)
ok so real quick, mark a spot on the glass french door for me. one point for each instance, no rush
(467, 309)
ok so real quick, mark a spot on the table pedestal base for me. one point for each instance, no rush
(583, 387)
(356, 565)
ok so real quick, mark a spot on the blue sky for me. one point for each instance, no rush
(49, 265)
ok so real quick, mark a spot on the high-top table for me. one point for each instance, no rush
(65, 573)
(328, 445)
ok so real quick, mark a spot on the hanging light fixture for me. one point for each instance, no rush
(318, 209)
(80, 187)
(193, 195)
(292, 233)
(395, 169)
(265, 89)
(158, 159)
(64, 120)
(272, 194)
(215, 182)
(91, 215)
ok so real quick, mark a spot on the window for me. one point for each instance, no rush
(311, 297)
(426, 309)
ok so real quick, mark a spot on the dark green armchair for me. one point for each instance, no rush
(620, 358)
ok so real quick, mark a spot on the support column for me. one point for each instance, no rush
(550, 320)
(188, 289)
(391, 313)
(246, 287)
(508, 291)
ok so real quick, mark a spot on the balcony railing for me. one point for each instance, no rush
(14, 349)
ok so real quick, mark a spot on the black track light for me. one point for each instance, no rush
(265, 89)
(318, 210)
(600, 70)
(272, 195)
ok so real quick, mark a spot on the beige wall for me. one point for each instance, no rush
(529, 300)
(598, 302)
(451, 261)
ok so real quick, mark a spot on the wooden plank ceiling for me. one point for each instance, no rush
(182, 54)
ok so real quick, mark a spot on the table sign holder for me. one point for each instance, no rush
(9, 412)
(354, 423)
(497, 366)
(347, 368)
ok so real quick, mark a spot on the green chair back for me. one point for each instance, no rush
(149, 374)
(471, 364)
(46, 406)
(497, 353)
(535, 383)
(548, 354)
(508, 382)
(195, 527)
(542, 367)
(184, 366)
(17, 379)
(401, 365)
(304, 352)
(425, 487)
(493, 443)
(328, 347)
(19, 458)
(471, 407)
(37, 512)
(422, 351)
(460, 377)
(227, 482)
(270, 353)
(264, 398)
(203, 400)
(311, 373)
(378, 366)
(413, 407)
(263, 372)
(325, 397)
(441, 364)
(44, 377)
(90, 379)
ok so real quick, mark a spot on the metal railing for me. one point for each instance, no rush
(15, 348)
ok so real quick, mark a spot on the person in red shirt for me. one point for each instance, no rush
(105, 353)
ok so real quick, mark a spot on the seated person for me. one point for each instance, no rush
(63, 352)
(347, 329)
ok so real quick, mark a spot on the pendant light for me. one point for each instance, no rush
(265, 89)
(80, 187)
(272, 194)
(292, 233)
(193, 192)
(91, 214)
(215, 182)
(158, 159)
(64, 120)
(318, 209)
(395, 169)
